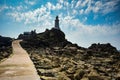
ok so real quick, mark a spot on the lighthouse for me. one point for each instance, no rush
(57, 23)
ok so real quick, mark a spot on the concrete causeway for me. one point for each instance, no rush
(19, 66)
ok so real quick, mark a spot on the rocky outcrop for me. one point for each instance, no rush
(103, 48)
(104, 58)
(49, 38)
(53, 37)
(5, 41)
(27, 35)
(5, 47)
(55, 58)
(59, 63)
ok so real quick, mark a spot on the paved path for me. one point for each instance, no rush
(19, 66)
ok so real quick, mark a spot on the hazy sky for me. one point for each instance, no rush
(83, 21)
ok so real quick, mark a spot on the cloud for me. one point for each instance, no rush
(36, 16)
(39, 15)
(97, 6)
(31, 17)
(95, 17)
(87, 6)
(110, 6)
(72, 4)
(17, 8)
(84, 20)
(58, 6)
(85, 2)
(81, 11)
(84, 35)
(74, 12)
(81, 7)
(78, 4)
(61, 1)
(91, 29)
(30, 2)
(13, 9)
(75, 28)
(82, 3)
(4, 7)
(50, 6)
(105, 7)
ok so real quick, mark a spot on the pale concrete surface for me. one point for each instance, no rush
(19, 66)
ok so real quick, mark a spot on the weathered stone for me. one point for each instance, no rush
(93, 75)
(79, 74)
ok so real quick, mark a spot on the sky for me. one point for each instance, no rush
(83, 21)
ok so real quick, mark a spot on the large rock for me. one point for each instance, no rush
(93, 75)
(5, 47)
(5, 41)
(53, 37)
(79, 74)
(49, 38)
(103, 48)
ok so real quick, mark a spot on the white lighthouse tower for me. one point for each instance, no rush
(57, 23)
